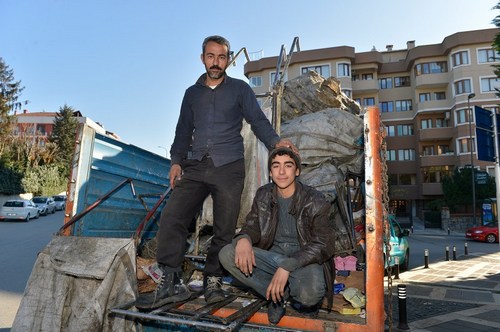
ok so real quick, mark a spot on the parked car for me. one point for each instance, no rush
(486, 233)
(60, 202)
(21, 209)
(400, 248)
(45, 205)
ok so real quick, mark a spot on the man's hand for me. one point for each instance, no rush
(244, 258)
(175, 174)
(276, 288)
(286, 143)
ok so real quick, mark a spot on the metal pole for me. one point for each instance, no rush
(469, 97)
(454, 253)
(497, 164)
(447, 248)
(466, 249)
(426, 258)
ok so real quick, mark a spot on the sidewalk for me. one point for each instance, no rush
(455, 295)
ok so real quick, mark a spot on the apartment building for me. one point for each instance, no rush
(423, 93)
(39, 125)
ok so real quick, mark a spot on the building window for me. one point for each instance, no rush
(406, 154)
(440, 123)
(405, 130)
(463, 145)
(428, 150)
(402, 81)
(255, 81)
(406, 179)
(487, 55)
(443, 149)
(426, 123)
(368, 101)
(385, 83)
(393, 180)
(460, 58)
(403, 105)
(323, 70)
(343, 70)
(424, 97)
(367, 77)
(462, 116)
(441, 95)
(462, 86)
(273, 76)
(390, 131)
(386, 106)
(488, 84)
(431, 68)
(347, 92)
(391, 155)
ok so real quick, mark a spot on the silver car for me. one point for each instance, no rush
(60, 202)
(20, 209)
(45, 205)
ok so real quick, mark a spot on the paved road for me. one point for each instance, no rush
(19, 244)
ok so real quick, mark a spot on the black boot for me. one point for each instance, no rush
(213, 289)
(169, 289)
(276, 311)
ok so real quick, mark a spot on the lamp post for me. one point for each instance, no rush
(164, 148)
(469, 97)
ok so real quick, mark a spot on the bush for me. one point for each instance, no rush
(432, 219)
(10, 181)
(44, 180)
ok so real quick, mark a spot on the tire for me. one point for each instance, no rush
(27, 218)
(37, 215)
(491, 238)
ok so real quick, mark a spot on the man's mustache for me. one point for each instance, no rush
(216, 67)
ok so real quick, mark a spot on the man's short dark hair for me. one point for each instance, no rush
(282, 151)
(217, 39)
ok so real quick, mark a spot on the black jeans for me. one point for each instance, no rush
(200, 179)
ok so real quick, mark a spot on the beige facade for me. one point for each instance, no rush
(423, 93)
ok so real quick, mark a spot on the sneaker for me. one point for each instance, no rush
(276, 311)
(213, 289)
(169, 289)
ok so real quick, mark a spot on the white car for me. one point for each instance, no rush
(21, 209)
(60, 201)
(45, 205)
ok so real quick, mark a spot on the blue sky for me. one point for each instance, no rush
(127, 63)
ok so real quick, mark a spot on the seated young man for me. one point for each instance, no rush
(280, 251)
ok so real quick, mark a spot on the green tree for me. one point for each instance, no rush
(457, 189)
(10, 90)
(496, 42)
(63, 135)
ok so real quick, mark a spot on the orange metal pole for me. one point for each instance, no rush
(375, 315)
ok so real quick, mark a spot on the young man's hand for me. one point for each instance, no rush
(286, 143)
(175, 174)
(244, 258)
(276, 288)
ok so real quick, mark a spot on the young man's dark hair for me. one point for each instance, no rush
(284, 249)
(217, 39)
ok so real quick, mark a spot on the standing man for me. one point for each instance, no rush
(282, 251)
(207, 159)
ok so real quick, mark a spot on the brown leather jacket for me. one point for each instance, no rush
(314, 226)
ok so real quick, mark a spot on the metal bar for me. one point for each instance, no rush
(150, 213)
(244, 313)
(95, 204)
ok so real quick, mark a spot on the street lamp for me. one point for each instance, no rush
(469, 97)
(164, 148)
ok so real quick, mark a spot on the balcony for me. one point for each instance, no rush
(432, 80)
(432, 189)
(365, 85)
(433, 134)
(433, 104)
(438, 160)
